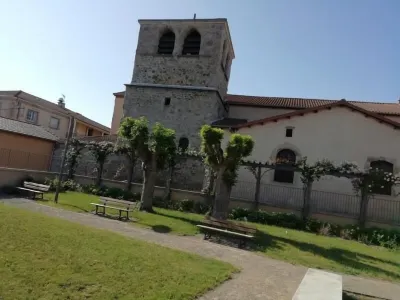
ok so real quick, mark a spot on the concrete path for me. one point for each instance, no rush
(260, 277)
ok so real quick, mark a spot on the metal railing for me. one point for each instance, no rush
(379, 209)
(383, 210)
(335, 203)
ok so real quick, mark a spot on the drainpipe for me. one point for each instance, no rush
(18, 103)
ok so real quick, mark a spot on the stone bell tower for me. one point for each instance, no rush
(181, 75)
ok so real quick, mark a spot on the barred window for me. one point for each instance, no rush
(385, 167)
(287, 157)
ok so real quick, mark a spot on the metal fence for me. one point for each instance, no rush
(379, 209)
(384, 210)
(10, 158)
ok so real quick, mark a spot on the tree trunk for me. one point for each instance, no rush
(258, 185)
(307, 188)
(149, 182)
(99, 174)
(363, 208)
(221, 199)
(131, 166)
(209, 181)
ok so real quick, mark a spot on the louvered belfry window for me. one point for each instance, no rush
(166, 43)
(191, 45)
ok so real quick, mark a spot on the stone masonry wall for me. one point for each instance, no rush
(188, 111)
(196, 70)
(188, 172)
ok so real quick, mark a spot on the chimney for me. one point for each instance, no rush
(61, 102)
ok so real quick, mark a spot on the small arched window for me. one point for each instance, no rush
(386, 188)
(183, 144)
(287, 157)
(166, 43)
(192, 42)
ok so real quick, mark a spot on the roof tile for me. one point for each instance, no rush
(301, 103)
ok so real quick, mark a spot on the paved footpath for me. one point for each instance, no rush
(260, 277)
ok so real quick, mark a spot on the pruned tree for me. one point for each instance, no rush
(73, 154)
(225, 163)
(256, 170)
(154, 149)
(100, 151)
(127, 146)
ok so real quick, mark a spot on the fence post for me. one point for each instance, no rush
(363, 207)
(307, 188)
(258, 185)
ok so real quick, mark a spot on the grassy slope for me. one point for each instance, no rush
(46, 258)
(289, 245)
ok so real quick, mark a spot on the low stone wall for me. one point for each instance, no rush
(188, 173)
(14, 177)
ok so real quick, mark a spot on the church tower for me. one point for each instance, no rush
(181, 75)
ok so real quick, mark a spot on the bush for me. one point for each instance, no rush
(27, 178)
(68, 185)
(9, 190)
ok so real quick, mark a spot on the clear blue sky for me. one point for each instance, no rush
(311, 48)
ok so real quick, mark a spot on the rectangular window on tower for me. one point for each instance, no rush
(167, 101)
(289, 132)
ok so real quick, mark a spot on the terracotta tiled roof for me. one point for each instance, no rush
(301, 103)
(302, 112)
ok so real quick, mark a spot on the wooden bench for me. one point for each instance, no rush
(34, 189)
(211, 226)
(116, 204)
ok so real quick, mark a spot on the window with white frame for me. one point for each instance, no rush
(32, 116)
(54, 123)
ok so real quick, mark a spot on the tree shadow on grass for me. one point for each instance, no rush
(187, 220)
(341, 256)
(161, 228)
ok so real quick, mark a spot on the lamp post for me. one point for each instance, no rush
(69, 134)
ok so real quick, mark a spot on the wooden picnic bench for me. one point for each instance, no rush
(116, 204)
(34, 189)
(211, 226)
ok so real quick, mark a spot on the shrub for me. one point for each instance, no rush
(184, 205)
(68, 185)
(27, 178)
(9, 189)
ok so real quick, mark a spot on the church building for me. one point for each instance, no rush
(180, 79)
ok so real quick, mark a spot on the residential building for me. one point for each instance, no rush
(21, 106)
(25, 145)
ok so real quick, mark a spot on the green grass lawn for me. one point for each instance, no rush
(48, 258)
(293, 246)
